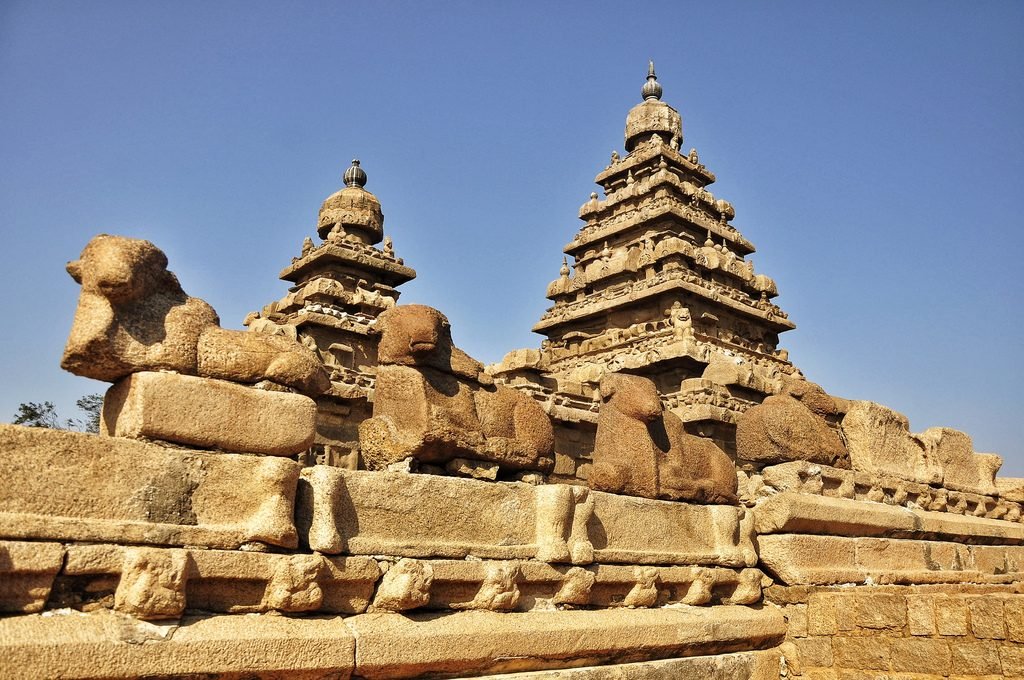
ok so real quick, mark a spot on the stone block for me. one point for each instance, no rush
(670, 533)
(970, 658)
(1012, 660)
(963, 469)
(862, 653)
(415, 515)
(829, 613)
(879, 441)
(921, 614)
(27, 571)
(428, 516)
(1011, 488)
(1013, 609)
(800, 559)
(796, 620)
(798, 513)
(81, 487)
(478, 642)
(209, 414)
(791, 512)
(814, 651)
(881, 611)
(951, 615)
(987, 618)
(910, 655)
(105, 644)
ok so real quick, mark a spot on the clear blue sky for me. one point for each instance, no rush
(873, 150)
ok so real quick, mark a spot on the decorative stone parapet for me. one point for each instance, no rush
(809, 478)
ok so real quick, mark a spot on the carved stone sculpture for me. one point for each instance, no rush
(133, 316)
(641, 450)
(791, 426)
(433, 402)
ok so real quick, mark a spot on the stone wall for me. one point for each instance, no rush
(912, 632)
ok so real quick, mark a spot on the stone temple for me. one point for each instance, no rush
(655, 491)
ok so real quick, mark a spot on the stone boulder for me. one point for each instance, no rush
(643, 450)
(783, 428)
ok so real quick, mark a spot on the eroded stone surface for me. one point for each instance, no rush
(400, 646)
(880, 442)
(81, 487)
(406, 585)
(783, 428)
(27, 571)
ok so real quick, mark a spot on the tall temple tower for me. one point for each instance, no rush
(340, 286)
(656, 283)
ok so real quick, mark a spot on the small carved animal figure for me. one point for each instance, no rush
(641, 450)
(133, 316)
(434, 402)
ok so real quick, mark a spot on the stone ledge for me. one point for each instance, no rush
(396, 646)
(823, 480)
(791, 512)
(803, 559)
(105, 644)
(70, 486)
(110, 645)
(762, 665)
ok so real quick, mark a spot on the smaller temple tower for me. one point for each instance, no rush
(340, 286)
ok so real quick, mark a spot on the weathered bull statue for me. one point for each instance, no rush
(433, 402)
(642, 450)
(133, 316)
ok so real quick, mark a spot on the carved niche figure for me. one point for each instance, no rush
(681, 321)
(433, 402)
(642, 450)
(133, 316)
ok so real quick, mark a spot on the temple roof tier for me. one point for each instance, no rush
(599, 231)
(653, 148)
(566, 315)
(356, 255)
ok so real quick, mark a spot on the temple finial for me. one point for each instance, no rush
(652, 88)
(355, 176)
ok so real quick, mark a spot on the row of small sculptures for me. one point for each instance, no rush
(432, 403)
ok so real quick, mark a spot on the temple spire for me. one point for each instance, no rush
(652, 88)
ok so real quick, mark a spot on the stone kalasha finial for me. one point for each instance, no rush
(564, 270)
(652, 88)
(355, 176)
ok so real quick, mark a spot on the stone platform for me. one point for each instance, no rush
(105, 644)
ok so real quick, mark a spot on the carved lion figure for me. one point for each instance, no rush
(433, 402)
(642, 450)
(133, 316)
